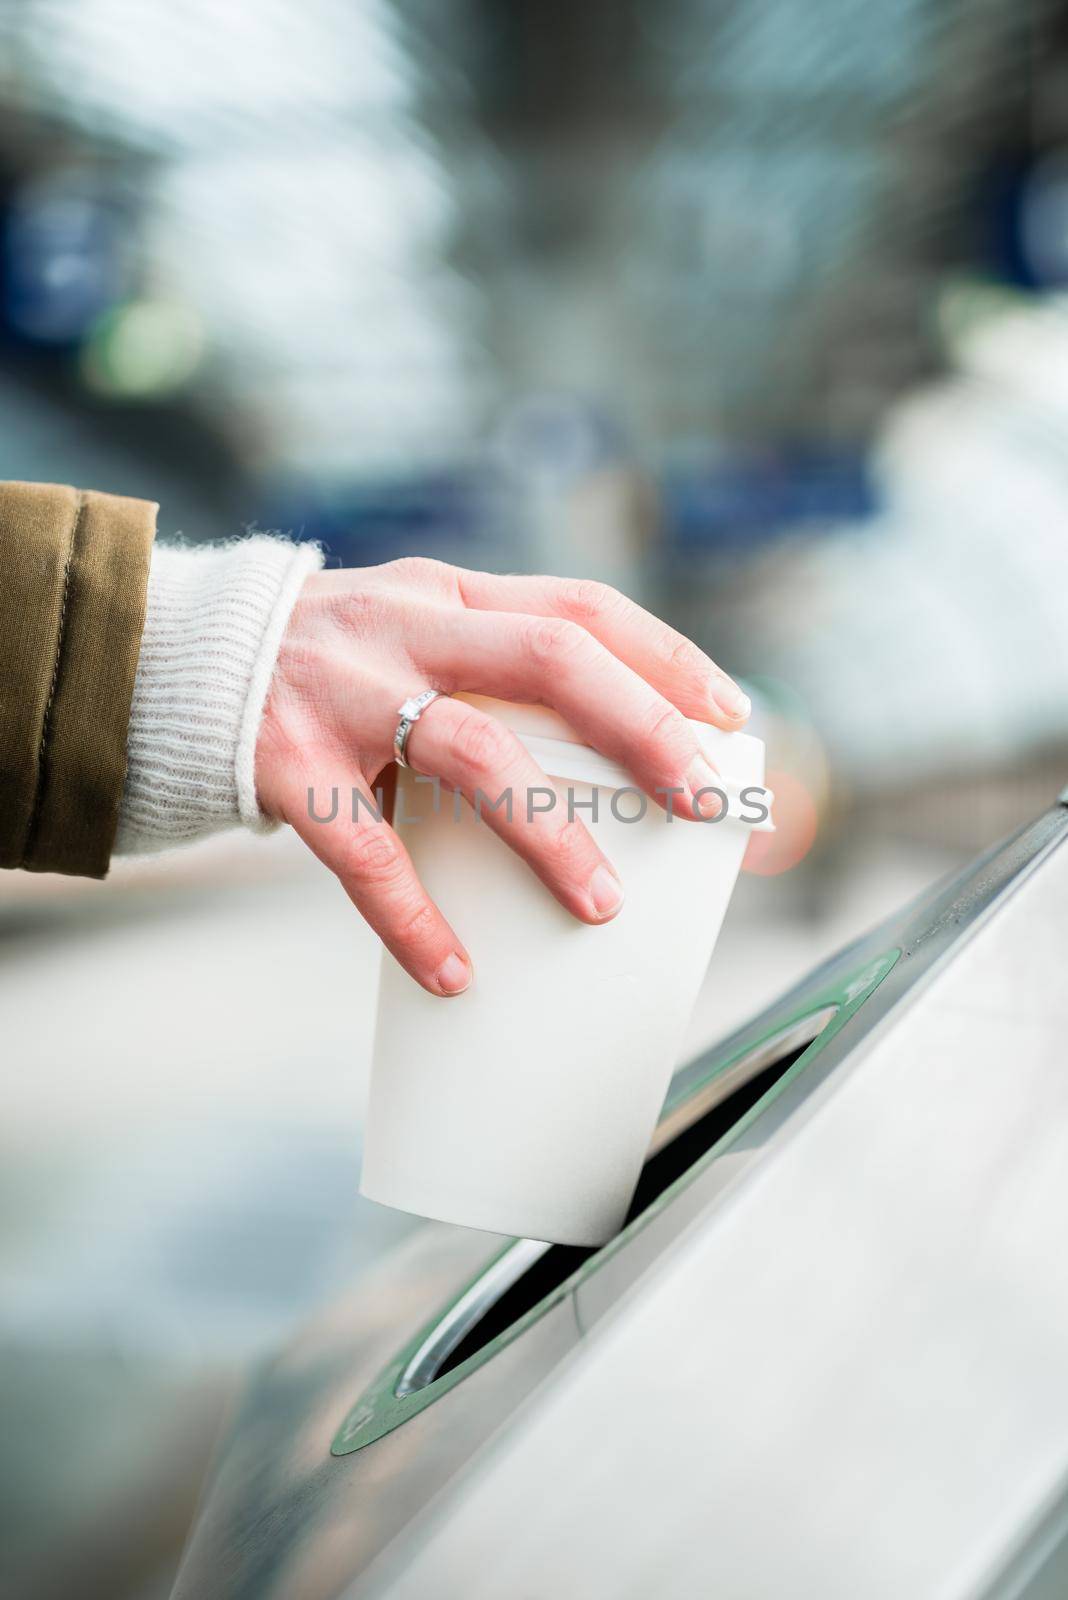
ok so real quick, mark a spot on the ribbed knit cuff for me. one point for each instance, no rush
(214, 623)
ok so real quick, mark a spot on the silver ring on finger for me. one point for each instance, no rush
(409, 714)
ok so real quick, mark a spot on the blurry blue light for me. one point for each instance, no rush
(748, 499)
(441, 515)
(62, 258)
(1044, 222)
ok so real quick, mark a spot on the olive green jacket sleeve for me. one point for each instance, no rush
(73, 578)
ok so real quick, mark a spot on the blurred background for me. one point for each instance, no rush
(757, 310)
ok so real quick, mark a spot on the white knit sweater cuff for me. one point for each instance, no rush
(214, 623)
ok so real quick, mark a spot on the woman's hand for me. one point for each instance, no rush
(362, 640)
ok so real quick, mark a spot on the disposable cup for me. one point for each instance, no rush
(526, 1105)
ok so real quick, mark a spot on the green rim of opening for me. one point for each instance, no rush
(380, 1410)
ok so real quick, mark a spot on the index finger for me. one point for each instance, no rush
(377, 874)
(666, 659)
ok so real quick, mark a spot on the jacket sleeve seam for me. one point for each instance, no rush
(46, 720)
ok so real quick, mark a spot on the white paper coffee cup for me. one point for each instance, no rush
(526, 1105)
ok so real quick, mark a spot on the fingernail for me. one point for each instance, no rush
(704, 777)
(606, 892)
(454, 974)
(731, 699)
